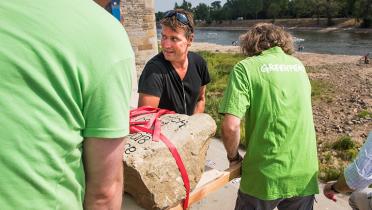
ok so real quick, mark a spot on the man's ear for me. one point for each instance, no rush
(190, 39)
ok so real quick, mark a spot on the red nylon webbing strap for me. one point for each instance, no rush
(153, 126)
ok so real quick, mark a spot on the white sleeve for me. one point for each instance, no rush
(358, 174)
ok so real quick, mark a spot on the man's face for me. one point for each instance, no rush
(174, 44)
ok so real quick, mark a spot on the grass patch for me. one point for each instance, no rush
(344, 143)
(312, 69)
(329, 173)
(321, 90)
(219, 66)
(349, 154)
(328, 157)
(346, 147)
(364, 114)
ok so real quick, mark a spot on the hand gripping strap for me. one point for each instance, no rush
(153, 127)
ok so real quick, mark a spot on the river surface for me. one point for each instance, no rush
(340, 42)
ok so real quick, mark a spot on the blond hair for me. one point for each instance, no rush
(174, 24)
(263, 36)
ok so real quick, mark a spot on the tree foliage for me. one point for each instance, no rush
(273, 9)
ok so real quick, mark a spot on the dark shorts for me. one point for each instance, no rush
(247, 202)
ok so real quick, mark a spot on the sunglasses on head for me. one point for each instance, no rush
(182, 18)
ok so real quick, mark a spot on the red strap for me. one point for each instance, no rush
(181, 168)
(153, 126)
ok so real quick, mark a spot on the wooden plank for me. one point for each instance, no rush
(202, 192)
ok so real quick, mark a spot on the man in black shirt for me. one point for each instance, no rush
(175, 79)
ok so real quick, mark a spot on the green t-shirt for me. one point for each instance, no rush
(65, 71)
(273, 91)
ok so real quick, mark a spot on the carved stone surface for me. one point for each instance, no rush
(151, 174)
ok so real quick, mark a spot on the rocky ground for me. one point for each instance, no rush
(346, 95)
(342, 103)
(343, 109)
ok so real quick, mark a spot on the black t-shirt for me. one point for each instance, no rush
(159, 78)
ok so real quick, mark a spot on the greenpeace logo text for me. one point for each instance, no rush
(267, 68)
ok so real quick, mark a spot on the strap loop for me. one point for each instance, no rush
(153, 127)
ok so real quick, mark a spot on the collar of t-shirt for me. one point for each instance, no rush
(272, 50)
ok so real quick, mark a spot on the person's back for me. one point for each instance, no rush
(279, 127)
(57, 61)
(272, 90)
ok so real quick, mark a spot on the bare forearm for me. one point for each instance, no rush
(200, 106)
(103, 198)
(231, 134)
(332, 188)
(231, 142)
(342, 186)
(148, 100)
(103, 165)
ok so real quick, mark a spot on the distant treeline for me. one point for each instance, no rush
(273, 9)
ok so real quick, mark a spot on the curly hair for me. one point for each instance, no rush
(174, 24)
(263, 36)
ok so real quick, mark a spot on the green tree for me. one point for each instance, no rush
(365, 13)
(185, 5)
(201, 12)
(284, 5)
(216, 11)
(273, 10)
(278, 8)
(254, 7)
(159, 15)
(231, 8)
(216, 5)
(345, 8)
(318, 9)
(331, 9)
(301, 8)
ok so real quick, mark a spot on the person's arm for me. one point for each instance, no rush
(150, 85)
(200, 105)
(103, 164)
(335, 187)
(148, 100)
(234, 105)
(231, 137)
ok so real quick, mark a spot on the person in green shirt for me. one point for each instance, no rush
(65, 86)
(271, 89)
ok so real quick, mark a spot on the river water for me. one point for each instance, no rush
(341, 42)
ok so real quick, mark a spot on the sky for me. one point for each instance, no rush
(165, 5)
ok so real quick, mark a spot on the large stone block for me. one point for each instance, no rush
(151, 173)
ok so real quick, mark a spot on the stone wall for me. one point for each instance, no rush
(138, 18)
